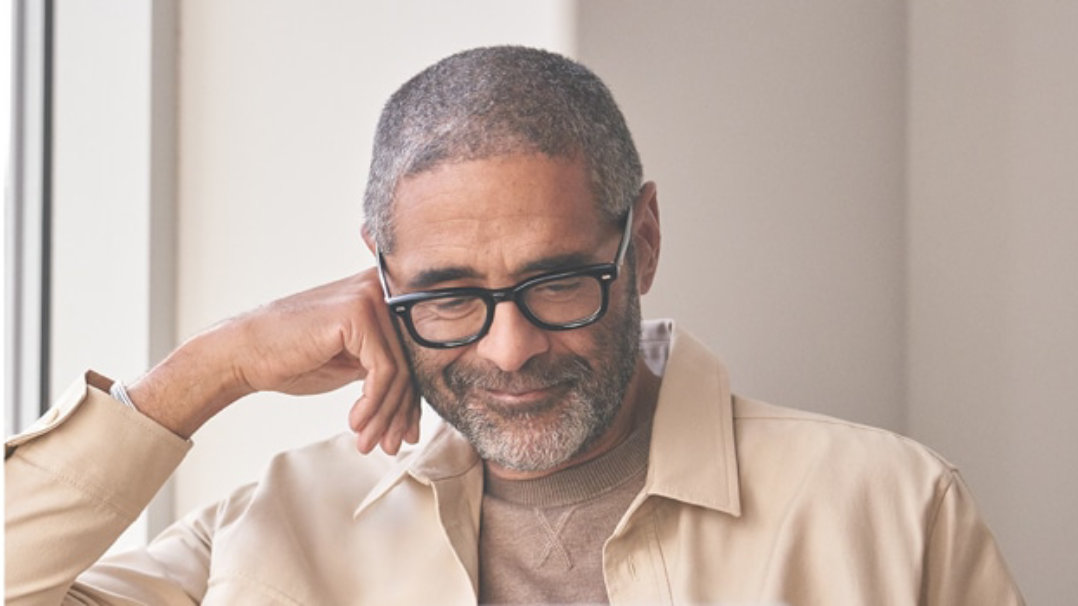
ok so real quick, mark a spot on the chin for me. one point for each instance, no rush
(535, 442)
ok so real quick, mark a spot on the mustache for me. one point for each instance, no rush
(536, 373)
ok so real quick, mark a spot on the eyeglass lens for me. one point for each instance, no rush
(559, 302)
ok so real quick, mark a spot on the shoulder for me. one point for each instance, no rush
(792, 429)
(839, 456)
(330, 468)
(315, 488)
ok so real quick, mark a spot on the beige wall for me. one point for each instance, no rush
(775, 132)
(868, 207)
(993, 248)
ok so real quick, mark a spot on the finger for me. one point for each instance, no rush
(390, 443)
(388, 388)
(381, 352)
(394, 434)
(388, 422)
(378, 426)
(375, 354)
(411, 435)
(399, 425)
(359, 411)
(369, 411)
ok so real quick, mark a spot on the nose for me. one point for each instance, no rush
(512, 340)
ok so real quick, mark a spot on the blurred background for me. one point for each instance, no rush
(869, 207)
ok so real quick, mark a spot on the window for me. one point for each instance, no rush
(27, 211)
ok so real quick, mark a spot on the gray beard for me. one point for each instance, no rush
(586, 396)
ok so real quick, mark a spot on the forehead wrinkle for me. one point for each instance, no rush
(495, 219)
(506, 244)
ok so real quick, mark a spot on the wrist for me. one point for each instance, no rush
(189, 387)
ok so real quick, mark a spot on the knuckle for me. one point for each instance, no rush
(388, 367)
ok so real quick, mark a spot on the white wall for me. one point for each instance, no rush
(993, 217)
(279, 102)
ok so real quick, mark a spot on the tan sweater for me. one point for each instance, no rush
(541, 541)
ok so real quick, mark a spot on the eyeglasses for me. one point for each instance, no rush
(562, 300)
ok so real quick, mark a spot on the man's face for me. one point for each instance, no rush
(528, 399)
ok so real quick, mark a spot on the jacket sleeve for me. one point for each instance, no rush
(74, 481)
(963, 564)
(173, 569)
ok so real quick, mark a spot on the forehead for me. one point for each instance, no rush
(494, 215)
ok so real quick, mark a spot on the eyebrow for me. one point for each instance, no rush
(433, 277)
(430, 278)
(558, 262)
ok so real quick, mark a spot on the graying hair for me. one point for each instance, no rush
(495, 101)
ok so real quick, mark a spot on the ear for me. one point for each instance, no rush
(646, 236)
(368, 239)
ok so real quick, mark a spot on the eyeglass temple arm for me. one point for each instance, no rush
(382, 272)
(626, 237)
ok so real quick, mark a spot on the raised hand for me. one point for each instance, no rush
(311, 342)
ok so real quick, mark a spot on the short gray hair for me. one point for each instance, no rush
(495, 101)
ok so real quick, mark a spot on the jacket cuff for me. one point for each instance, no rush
(100, 446)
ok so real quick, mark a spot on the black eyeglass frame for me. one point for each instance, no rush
(605, 273)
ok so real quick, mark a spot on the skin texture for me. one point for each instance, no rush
(491, 217)
(311, 342)
(532, 401)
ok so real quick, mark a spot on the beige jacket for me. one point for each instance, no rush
(744, 503)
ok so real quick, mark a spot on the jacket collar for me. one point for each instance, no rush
(446, 456)
(450, 467)
(692, 455)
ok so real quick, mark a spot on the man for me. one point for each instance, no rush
(587, 457)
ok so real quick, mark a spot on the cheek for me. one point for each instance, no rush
(597, 339)
(581, 342)
(427, 363)
(585, 343)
